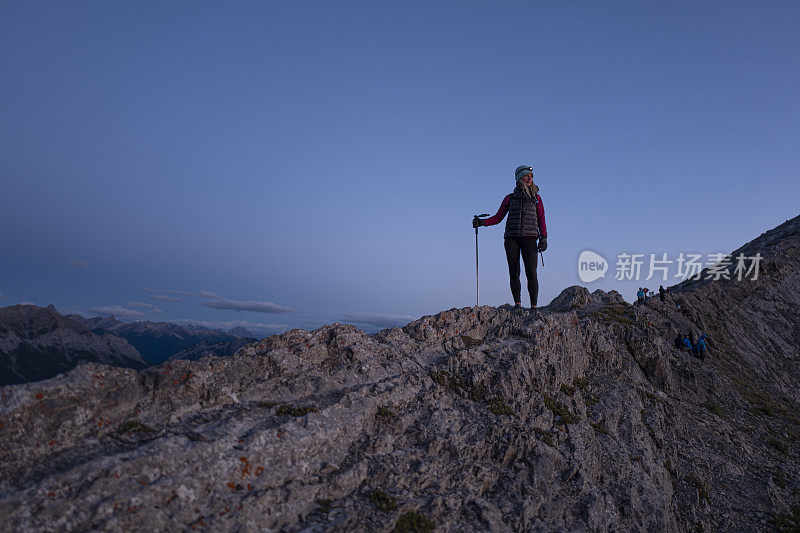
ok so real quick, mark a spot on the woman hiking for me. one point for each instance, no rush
(525, 224)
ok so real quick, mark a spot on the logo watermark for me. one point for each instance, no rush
(632, 267)
(591, 266)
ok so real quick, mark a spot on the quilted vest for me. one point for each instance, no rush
(522, 219)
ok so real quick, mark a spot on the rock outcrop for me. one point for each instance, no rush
(583, 417)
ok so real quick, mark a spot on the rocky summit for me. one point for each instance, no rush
(582, 417)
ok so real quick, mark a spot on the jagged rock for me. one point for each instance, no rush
(582, 417)
(574, 297)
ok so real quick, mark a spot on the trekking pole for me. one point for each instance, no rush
(477, 217)
(541, 254)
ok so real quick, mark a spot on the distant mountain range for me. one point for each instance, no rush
(38, 342)
(159, 341)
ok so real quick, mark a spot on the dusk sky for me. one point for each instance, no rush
(292, 164)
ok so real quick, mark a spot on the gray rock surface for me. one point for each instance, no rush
(583, 418)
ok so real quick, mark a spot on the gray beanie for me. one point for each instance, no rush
(521, 171)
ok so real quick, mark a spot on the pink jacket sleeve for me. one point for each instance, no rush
(540, 214)
(501, 213)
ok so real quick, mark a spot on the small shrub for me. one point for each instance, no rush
(499, 407)
(788, 522)
(413, 522)
(268, 405)
(566, 389)
(545, 435)
(652, 397)
(134, 426)
(779, 445)
(444, 379)
(324, 505)
(581, 383)
(695, 481)
(382, 501)
(478, 394)
(469, 341)
(295, 411)
(715, 408)
(560, 410)
(385, 413)
(598, 427)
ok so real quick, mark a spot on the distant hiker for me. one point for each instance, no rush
(679, 342)
(687, 343)
(662, 293)
(693, 344)
(640, 295)
(701, 346)
(525, 224)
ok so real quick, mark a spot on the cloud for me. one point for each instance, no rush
(256, 307)
(25, 302)
(255, 327)
(376, 319)
(142, 305)
(167, 291)
(118, 311)
(164, 298)
(74, 311)
(79, 263)
(199, 294)
(208, 294)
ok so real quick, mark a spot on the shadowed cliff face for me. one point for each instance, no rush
(38, 343)
(583, 418)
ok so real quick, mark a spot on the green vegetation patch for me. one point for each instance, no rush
(295, 411)
(444, 379)
(620, 313)
(385, 413)
(382, 501)
(715, 408)
(779, 445)
(697, 483)
(470, 341)
(413, 522)
(581, 383)
(499, 407)
(788, 522)
(599, 428)
(268, 405)
(478, 393)
(324, 505)
(134, 426)
(545, 436)
(567, 389)
(560, 410)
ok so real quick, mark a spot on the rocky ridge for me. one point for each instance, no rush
(584, 417)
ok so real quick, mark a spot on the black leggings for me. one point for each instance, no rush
(513, 246)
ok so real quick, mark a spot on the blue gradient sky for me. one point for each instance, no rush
(328, 156)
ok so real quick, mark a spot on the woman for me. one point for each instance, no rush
(525, 224)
